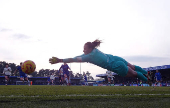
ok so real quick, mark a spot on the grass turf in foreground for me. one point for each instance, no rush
(88, 96)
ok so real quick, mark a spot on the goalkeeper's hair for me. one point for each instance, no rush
(93, 44)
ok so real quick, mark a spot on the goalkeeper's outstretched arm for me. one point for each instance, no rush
(55, 60)
(70, 60)
(82, 58)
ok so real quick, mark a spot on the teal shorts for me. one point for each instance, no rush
(119, 66)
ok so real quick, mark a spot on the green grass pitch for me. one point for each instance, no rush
(84, 96)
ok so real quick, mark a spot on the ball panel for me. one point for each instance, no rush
(28, 67)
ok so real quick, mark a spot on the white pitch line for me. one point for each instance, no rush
(74, 95)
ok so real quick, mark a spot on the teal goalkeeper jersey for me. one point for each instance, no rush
(106, 61)
(98, 58)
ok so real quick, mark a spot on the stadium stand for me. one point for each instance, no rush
(164, 70)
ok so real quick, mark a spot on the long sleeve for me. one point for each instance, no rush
(82, 58)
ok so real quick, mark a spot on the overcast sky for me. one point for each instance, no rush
(137, 30)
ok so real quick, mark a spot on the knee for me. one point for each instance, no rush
(131, 72)
(131, 66)
(134, 73)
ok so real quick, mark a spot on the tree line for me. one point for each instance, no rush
(42, 72)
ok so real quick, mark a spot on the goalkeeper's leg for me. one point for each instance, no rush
(137, 68)
(132, 73)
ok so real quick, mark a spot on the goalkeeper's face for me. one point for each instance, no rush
(87, 50)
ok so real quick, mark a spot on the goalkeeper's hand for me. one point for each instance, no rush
(54, 60)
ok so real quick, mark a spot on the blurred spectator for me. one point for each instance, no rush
(7, 72)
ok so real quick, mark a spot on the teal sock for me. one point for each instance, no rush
(141, 76)
(139, 69)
